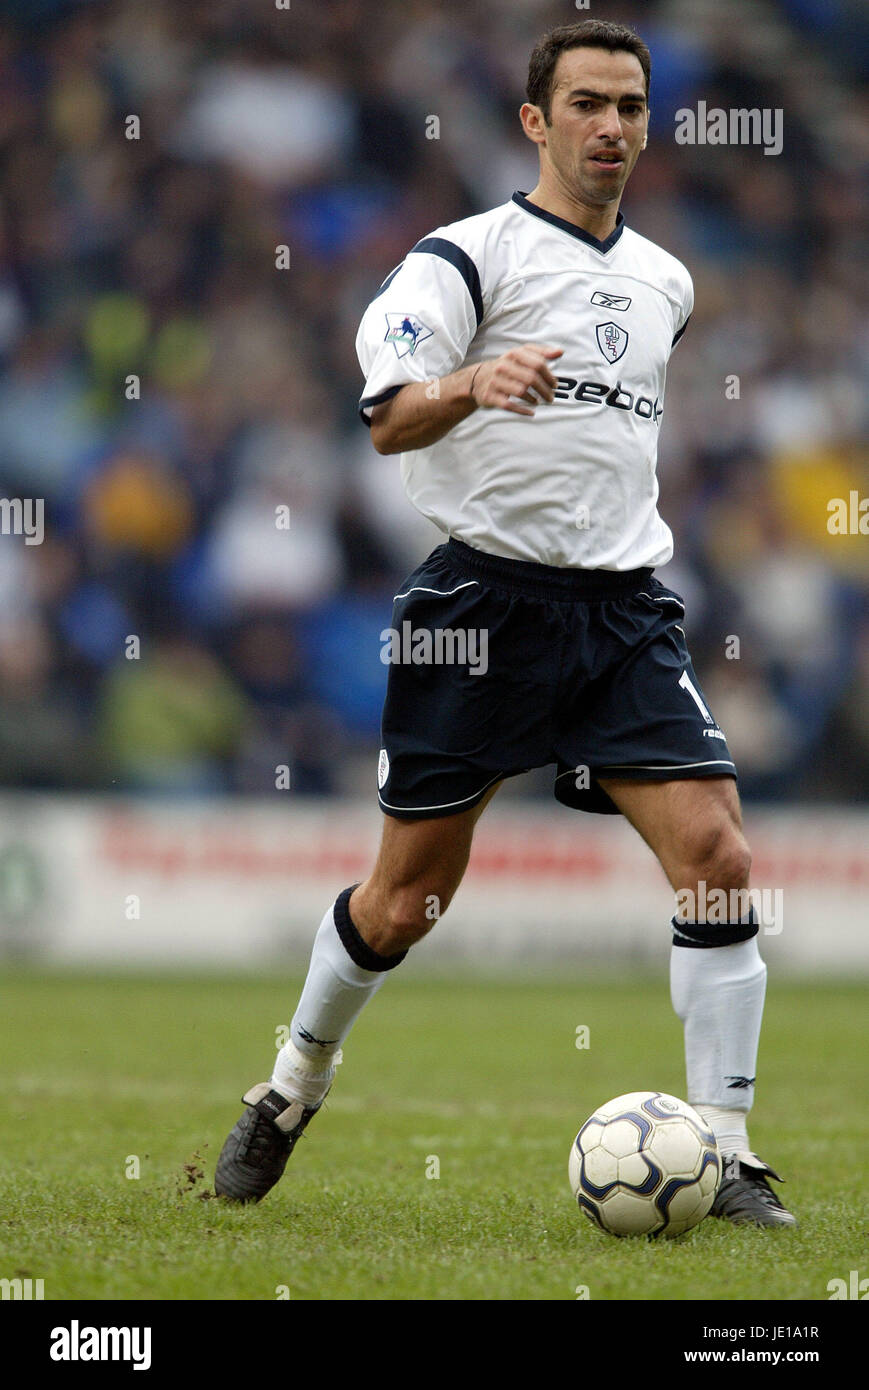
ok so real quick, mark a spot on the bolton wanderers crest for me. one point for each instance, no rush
(612, 340)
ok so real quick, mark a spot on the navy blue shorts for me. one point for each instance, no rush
(498, 666)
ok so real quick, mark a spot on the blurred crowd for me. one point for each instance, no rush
(221, 539)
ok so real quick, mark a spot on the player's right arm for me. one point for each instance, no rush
(422, 412)
(415, 339)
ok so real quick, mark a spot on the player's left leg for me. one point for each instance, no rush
(718, 979)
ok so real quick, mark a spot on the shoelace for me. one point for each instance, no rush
(262, 1138)
(765, 1191)
(760, 1189)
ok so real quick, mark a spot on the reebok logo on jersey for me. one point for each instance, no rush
(406, 332)
(601, 393)
(611, 340)
(740, 1083)
(611, 301)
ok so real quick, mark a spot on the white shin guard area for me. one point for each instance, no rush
(335, 992)
(718, 992)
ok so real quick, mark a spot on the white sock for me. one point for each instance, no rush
(298, 1077)
(335, 992)
(728, 1126)
(718, 992)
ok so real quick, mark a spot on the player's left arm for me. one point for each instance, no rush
(686, 308)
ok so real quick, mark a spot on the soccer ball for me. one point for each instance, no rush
(645, 1164)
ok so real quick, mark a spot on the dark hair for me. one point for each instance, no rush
(591, 33)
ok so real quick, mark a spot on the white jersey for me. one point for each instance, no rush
(576, 484)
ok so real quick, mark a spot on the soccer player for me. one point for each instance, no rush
(516, 360)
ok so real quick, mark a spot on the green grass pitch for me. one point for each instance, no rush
(480, 1079)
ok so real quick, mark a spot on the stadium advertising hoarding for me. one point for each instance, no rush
(208, 884)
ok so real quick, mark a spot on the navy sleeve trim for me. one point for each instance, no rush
(681, 331)
(371, 401)
(388, 281)
(439, 246)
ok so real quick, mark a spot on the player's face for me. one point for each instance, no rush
(598, 121)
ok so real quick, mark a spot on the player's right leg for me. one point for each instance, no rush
(454, 725)
(365, 933)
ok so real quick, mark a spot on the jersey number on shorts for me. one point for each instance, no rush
(687, 684)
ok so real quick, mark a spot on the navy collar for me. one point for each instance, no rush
(579, 232)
